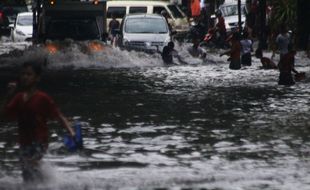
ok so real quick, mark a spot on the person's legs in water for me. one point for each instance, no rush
(286, 79)
(30, 159)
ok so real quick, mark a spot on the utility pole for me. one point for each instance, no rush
(36, 10)
(239, 16)
(262, 32)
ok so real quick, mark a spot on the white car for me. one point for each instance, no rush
(230, 13)
(146, 32)
(22, 28)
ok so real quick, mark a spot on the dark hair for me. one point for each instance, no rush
(171, 44)
(36, 66)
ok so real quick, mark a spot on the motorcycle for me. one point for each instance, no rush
(196, 31)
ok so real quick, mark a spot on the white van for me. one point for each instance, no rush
(229, 11)
(177, 19)
(146, 32)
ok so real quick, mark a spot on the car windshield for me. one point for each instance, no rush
(14, 10)
(25, 20)
(176, 12)
(74, 29)
(231, 10)
(146, 25)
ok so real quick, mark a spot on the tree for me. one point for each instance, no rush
(283, 12)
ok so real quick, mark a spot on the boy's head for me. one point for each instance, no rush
(30, 74)
(171, 45)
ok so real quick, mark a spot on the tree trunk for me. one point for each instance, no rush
(303, 24)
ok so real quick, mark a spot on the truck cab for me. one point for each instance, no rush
(71, 19)
(63, 23)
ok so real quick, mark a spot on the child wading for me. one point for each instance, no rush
(286, 66)
(32, 108)
(234, 52)
(246, 49)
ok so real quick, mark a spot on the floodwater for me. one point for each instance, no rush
(150, 126)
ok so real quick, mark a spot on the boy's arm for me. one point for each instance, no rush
(180, 59)
(225, 53)
(66, 124)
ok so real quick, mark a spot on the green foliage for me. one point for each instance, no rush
(284, 12)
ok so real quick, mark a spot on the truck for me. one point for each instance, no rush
(70, 19)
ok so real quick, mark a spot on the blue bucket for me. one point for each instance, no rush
(76, 142)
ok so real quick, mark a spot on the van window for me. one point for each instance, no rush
(82, 29)
(158, 9)
(119, 12)
(175, 11)
(146, 25)
(137, 10)
(231, 10)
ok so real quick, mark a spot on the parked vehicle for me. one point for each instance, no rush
(8, 12)
(176, 18)
(229, 11)
(146, 32)
(21, 30)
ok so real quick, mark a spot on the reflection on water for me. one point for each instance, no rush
(148, 126)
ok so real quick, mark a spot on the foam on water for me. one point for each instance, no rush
(285, 173)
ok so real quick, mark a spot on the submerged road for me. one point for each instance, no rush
(149, 126)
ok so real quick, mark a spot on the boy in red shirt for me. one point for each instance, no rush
(32, 108)
(220, 26)
(234, 52)
(286, 67)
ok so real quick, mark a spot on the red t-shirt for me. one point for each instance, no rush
(235, 50)
(32, 116)
(221, 24)
(195, 8)
(287, 62)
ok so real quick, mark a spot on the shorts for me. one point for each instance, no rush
(30, 156)
(35, 151)
(246, 59)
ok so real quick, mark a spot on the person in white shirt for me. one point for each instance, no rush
(283, 40)
(196, 51)
(246, 49)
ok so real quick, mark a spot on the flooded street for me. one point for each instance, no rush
(149, 126)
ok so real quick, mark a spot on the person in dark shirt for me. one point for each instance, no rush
(114, 25)
(221, 28)
(266, 62)
(32, 108)
(169, 52)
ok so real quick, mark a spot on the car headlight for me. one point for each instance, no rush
(95, 46)
(20, 33)
(125, 42)
(51, 48)
(148, 44)
(168, 39)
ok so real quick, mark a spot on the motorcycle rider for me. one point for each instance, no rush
(221, 28)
